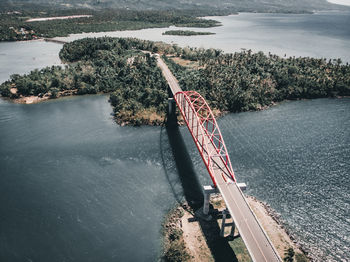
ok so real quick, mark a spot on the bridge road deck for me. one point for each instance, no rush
(257, 242)
(170, 78)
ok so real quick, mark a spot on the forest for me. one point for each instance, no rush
(14, 25)
(112, 15)
(252, 81)
(125, 68)
(102, 65)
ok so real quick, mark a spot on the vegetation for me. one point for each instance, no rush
(252, 81)
(229, 82)
(103, 65)
(186, 33)
(289, 255)
(174, 245)
(14, 25)
(111, 15)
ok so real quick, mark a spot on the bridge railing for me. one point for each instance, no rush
(205, 132)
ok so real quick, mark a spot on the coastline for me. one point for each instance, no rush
(192, 244)
(147, 117)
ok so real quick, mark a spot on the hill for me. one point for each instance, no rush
(294, 6)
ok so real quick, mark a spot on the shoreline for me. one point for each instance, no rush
(154, 118)
(192, 244)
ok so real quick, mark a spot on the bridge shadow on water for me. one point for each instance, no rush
(185, 186)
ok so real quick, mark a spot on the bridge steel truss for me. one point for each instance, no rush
(206, 134)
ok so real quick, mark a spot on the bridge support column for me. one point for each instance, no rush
(203, 212)
(208, 190)
(171, 106)
(224, 224)
(233, 226)
(172, 119)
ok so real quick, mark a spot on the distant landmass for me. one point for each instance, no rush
(33, 19)
(199, 5)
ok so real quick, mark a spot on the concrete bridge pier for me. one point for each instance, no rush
(224, 224)
(204, 212)
(171, 110)
(172, 119)
(208, 190)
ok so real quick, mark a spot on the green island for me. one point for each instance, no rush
(186, 33)
(125, 68)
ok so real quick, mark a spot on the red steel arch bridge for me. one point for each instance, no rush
(206, 134)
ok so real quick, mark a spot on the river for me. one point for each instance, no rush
(75, 186)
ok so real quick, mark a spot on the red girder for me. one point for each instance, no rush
(205, 132)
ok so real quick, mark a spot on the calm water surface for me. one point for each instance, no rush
(296, 157)
(74, 186)
(322, 35)
(23, 57)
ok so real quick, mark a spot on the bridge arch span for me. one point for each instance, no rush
(206, 133)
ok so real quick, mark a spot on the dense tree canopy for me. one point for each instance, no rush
(14, 25)
(107, 65)
(251, 81)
